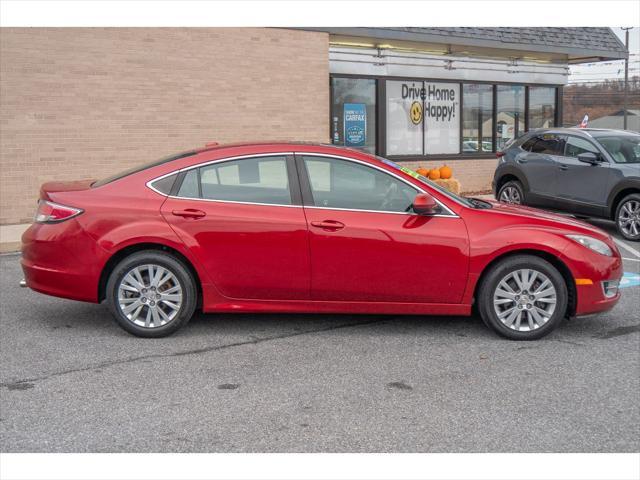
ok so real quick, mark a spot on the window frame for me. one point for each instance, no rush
(292, 177)
(381, 121)
(307, 194)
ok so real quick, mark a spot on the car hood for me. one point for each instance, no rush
(534, 216)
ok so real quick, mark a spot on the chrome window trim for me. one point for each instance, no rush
(149, 185)
(219, 160)
(367, 164)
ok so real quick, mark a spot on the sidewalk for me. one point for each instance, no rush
(10, 237)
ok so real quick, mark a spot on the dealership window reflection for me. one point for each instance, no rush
(477, 118)
(542, 101)
(510, 113)
(354, 125)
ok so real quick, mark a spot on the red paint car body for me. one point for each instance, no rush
(301, 258)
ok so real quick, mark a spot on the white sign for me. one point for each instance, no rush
(442, 117)
(423, 118)
(404, 118)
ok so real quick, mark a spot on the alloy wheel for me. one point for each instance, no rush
(629, 218)
(149, 296)
(510, 195)
(524, 300)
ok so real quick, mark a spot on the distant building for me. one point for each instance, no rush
(616, 120)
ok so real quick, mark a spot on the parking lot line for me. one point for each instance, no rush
(627, 247)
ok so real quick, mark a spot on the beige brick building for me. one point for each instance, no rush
(87, 102)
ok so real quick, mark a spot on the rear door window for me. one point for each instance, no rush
(549, 144)
(250, 180)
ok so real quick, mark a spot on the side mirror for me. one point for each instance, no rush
(589, 157)
(425, 204)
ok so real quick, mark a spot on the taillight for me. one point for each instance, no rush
(499, 154)
(49, 212)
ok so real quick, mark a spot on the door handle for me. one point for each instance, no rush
(329, 225)
(564, 167)
(189, 213)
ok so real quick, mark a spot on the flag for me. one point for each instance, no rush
(584, 122)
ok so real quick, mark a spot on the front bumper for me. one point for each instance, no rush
(585, 264)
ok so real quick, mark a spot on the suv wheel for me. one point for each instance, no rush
(511, 192)
(523, 298)
(151, 294)
(628, 217)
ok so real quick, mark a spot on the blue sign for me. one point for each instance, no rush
(355, 124)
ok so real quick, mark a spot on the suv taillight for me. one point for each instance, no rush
(49, 212)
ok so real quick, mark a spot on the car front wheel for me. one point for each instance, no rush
(523, 297)
(151, 294)
(628, 217)
(511, 192)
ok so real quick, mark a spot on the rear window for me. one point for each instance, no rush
(139, 168)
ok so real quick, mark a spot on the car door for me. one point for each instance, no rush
(582, 186)
(243, 220)
(538, 162)
(365, 245)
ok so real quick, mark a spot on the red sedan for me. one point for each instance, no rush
(282, 227)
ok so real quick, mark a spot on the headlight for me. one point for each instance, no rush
(592, 244)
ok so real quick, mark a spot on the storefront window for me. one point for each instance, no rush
(542, 101)
(404, 118)
(423, 118)
(477, 118)
(353, 113)
(510, 114)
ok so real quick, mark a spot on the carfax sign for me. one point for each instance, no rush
(355, 124)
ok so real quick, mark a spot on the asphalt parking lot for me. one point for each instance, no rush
(72, 381)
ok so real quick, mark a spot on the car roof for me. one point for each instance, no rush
(586, 132)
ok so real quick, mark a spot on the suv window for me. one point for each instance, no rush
(253, 180)
(337, 183)
(575, 146)
(549, 144)
(528, 145)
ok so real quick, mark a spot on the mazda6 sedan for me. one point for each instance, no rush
(285, 227)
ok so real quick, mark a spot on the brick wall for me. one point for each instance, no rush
(474, 175)
(86, 102)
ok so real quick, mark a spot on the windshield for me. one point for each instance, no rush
(622, 148)
(139, 168)
(444, 191)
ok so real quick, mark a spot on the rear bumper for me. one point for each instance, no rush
(60, 260)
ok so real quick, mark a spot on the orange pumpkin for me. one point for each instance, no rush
(422, 171)
(445, 172)
(434, 174)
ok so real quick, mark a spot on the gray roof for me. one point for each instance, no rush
(580, 44)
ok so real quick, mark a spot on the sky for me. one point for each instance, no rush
(595, 72)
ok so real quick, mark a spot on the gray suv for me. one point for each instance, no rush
(588, 172)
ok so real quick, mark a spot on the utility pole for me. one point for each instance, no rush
(626, 73)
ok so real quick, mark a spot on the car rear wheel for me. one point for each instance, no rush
(628, 217)
(523, 298)
(151, 294)
(511, 192)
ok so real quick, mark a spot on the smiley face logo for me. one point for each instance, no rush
(415, 112)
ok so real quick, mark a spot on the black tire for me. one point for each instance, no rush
(168, 262)
(632, 199)
(508, 188)
(501, 270)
